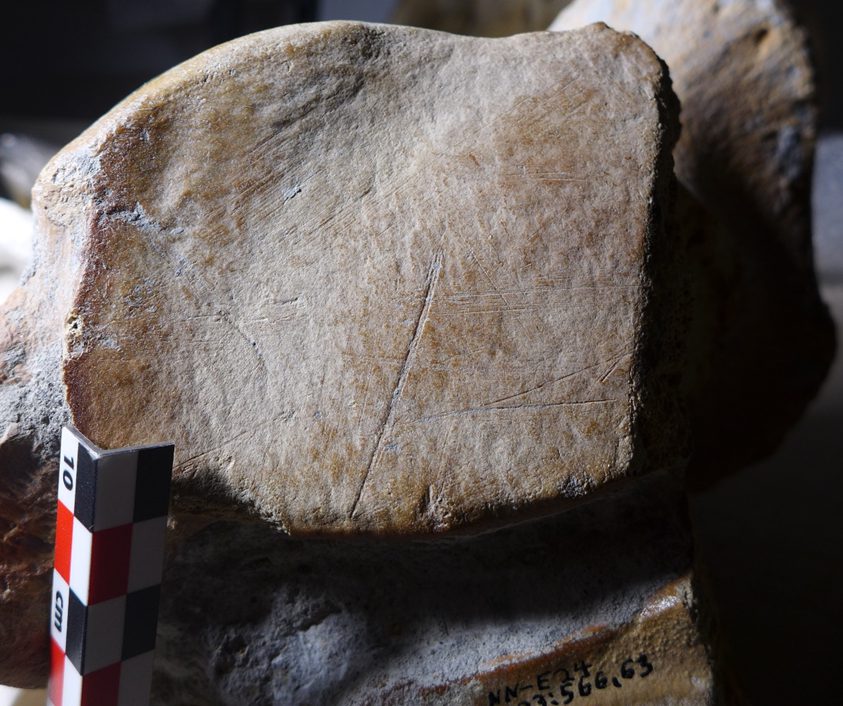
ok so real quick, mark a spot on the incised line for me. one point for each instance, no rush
(409, 359)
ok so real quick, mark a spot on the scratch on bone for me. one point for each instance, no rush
(285, 416)
(535, 388)
(513, 407)
(614, 366)
(409, 359)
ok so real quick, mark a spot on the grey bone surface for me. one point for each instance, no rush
(249, 616)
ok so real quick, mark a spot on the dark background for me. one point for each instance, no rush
(75, 59)
(770, 537)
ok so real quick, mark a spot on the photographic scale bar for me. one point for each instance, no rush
(110, 529)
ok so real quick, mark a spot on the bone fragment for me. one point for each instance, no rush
(369, 279)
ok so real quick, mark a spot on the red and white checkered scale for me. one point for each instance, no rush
(110, 530)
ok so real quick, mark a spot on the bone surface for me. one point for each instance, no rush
(368, 279)
(761, 337)
(566, 609)
(424, 312)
